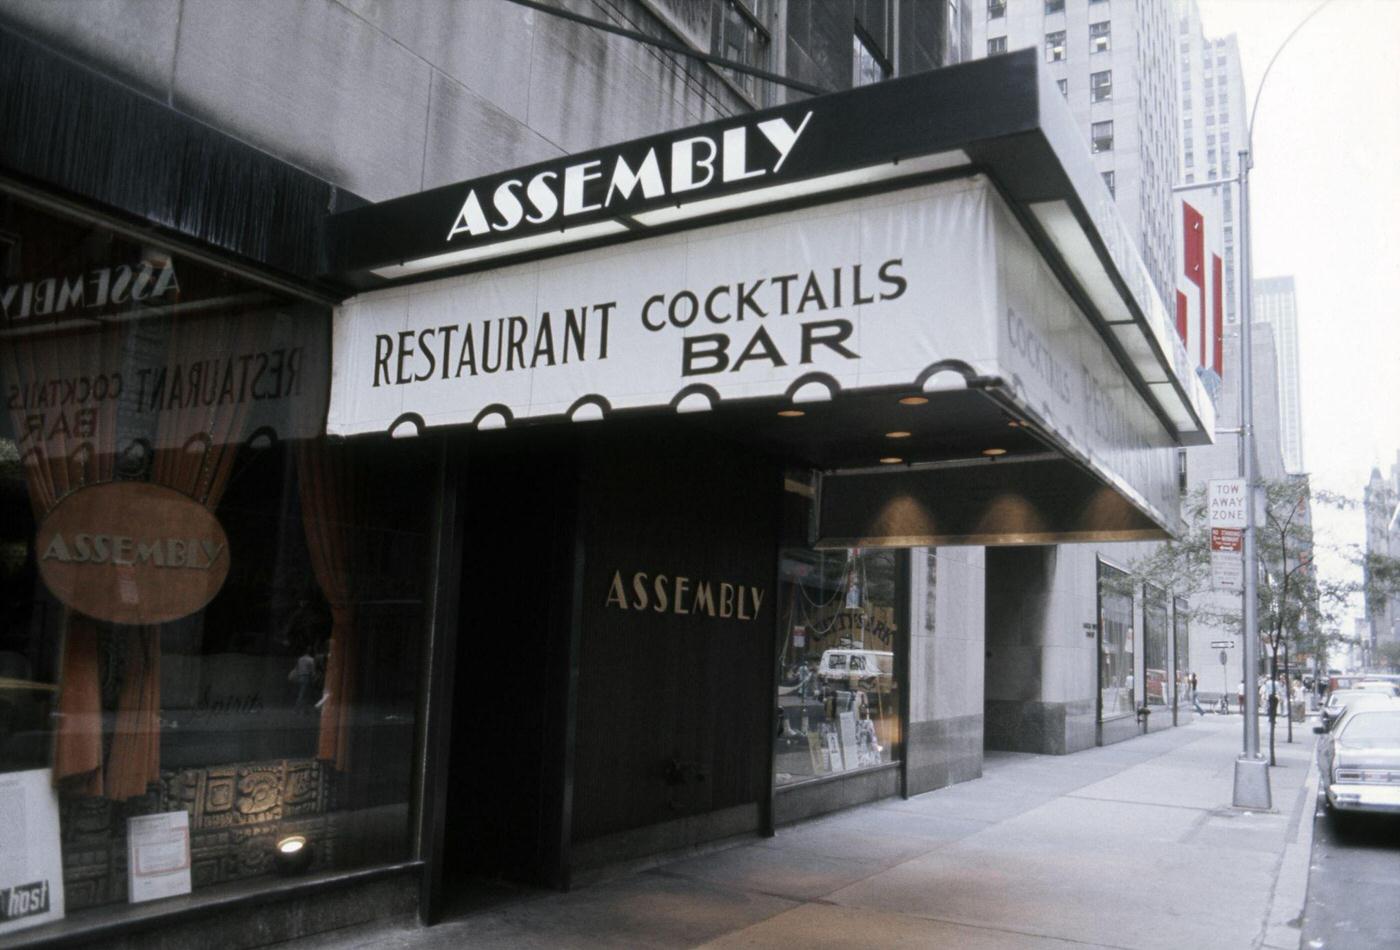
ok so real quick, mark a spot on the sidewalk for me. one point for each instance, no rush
(1130, 846)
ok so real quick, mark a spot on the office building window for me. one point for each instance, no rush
(1210, 156)
(1100, 37)
(1210, 120)
(1190, 179)
(1210, 139)
(1055, 46)
(996, 9)
(1101, 86)
(1064, 87)
(1109, 181)
(996, 45)
(868, 66)
(1190, 159)
(1186, 123)
(1101, 136)
(1224, 97)
(1213, 175)
(1054, 6)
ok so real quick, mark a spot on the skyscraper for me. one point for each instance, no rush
(1214, 125)
(1275, 303)
(1114, 63)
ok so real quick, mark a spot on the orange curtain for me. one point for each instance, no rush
(326, 488)
(65, 446)
(195, 450)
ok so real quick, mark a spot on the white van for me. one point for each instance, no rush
(857, 669)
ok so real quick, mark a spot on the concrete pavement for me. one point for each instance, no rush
(1130, 846)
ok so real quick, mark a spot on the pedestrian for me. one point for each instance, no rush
(1195, 697)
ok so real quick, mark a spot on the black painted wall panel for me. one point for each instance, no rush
(673, 709)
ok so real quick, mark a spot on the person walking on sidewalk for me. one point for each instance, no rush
(1191, 683)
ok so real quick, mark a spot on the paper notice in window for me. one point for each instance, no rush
(31, 871)
(158, 855)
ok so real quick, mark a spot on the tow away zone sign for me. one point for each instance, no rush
(1227, 499)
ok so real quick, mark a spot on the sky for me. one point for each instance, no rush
(1325, 208)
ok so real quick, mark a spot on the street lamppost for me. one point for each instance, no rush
(1251, 769)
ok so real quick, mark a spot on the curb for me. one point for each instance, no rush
(1283, 923)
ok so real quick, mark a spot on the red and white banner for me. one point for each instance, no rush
(1200, 292)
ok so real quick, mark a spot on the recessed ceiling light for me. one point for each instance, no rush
(994, 452)
(896, 435)
(890, 460)
(913, 400)
(791, 413)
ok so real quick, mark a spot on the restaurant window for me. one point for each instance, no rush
(1101, 136)
(1115, 642)
(1100, 36)
(209, 614)
(1156, 645)
(838, 695)
(1101, 86)
(996, 46)
(1055, 46)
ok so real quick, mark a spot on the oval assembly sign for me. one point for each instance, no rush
(132, 553)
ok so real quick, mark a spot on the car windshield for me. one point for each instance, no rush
(1373, 729)
(1340, 698)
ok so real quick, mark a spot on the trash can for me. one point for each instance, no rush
(1298, 710)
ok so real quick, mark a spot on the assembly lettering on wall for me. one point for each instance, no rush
(680, 594)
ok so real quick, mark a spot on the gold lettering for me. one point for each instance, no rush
(740, 614)
(658, 585)
(704, 598)
(211, 551)
(615, 592)
(757, 599)
(682, 588)
(153, 553)
(726, 599)
(175, 554)
(639, 589)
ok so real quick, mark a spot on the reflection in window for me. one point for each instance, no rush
(837, 702)
(1115, 642)
(1181, 646)
(1155, 640)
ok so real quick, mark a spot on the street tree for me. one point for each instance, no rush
(1298, 611)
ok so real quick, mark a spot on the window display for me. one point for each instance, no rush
(837, 703)
(206, 609)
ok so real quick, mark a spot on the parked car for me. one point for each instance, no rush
(1351, 700)
(852, 669)
(1360, 761)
